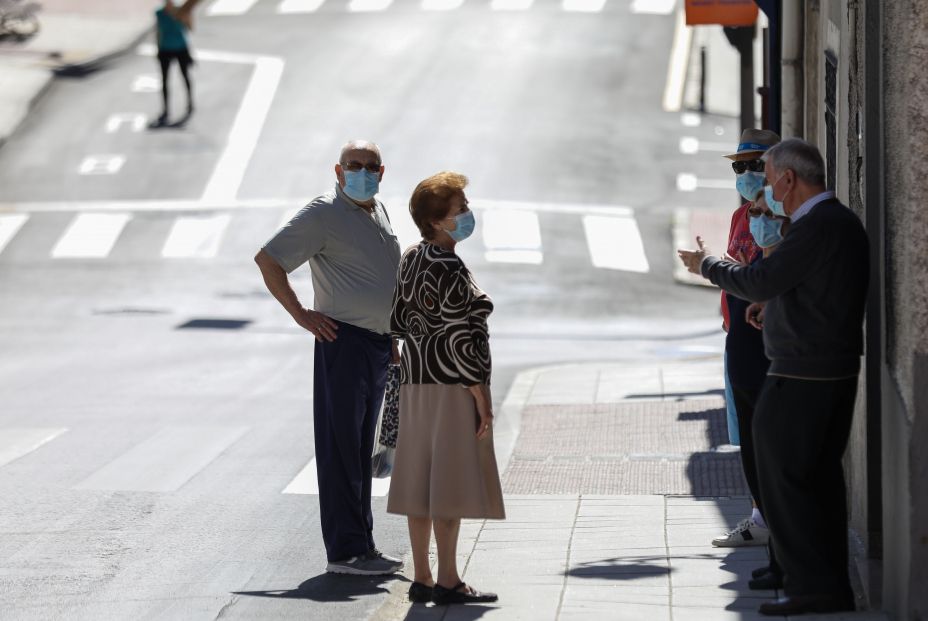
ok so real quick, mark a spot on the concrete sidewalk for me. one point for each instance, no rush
(74, 37)
(614, 489)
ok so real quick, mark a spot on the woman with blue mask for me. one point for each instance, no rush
(445, 468)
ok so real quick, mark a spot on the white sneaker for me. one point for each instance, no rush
(746, 533)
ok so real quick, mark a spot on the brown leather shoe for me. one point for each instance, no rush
(805, 604)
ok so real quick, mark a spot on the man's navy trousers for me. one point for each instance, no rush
(349, 378)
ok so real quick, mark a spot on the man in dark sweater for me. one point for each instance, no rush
(815, 287)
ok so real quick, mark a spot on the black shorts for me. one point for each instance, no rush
(183, 57)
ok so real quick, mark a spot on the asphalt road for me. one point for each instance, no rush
(155, 399)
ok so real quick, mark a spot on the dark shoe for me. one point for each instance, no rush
(766, 582)
(805, 604)
(161, 121)
(420, 593)
(760, 571)
(442, 596)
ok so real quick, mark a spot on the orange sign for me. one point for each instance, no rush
(722, 12)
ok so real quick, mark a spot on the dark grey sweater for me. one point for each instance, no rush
(815, 286)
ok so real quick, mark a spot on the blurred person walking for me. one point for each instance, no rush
(172, 23)
(346, 237)
(815, 286)
(445, 467)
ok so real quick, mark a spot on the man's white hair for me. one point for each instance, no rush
(358, 145)
(801, 157)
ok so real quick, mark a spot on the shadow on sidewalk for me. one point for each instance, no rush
(330, 588)
(622, 568)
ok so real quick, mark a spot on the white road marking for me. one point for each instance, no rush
(299, 6)
(691, 119)
(195, 237)
(90, 236)
(165, 461)
(688, 182)
(246, 130)
(116, 121)
(676, 68)
(306, 482)
(511, 236)
(441, 5)
(583, 6)
(230, 7)
(690, 145)
(511, 5)
(362, 6)
(615, 243)
(147, 83)
(653, 7)
(101, 164)
(9, 227)
(18, 441)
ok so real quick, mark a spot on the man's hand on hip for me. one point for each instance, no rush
(321, 326)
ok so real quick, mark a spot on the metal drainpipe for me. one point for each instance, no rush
(792, 98)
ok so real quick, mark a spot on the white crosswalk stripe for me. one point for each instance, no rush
(230, 7)
(9, 227)
(195, 237)
(306, 482)
(165, 461)
(361, 6)
(19, 441)
(511, 236)
(90, 236)
(299, 6)
(615, 243)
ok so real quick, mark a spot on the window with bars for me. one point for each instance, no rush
(831, 119)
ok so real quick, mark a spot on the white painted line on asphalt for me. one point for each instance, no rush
(441, 5)
(18, 441)
(615, 243)
(653, 7)
(363, 6)
(246, 130)
(583, 6)
(101, 164)
(299, 6)
(147, 83)
(511, 236)
(511, 5)
(691, 119)
(165, 461)
(9, 227)
(230, 7)
(676, 68)
(90, 236)
(306, 482)
(688, 182)
(690, 145)
(116, 121)
(195, 237)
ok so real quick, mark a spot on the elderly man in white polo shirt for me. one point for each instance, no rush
(346, 237)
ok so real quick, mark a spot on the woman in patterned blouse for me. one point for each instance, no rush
(445, 466)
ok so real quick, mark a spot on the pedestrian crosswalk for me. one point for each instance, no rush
(164, 461)
(507, 233)
(225, 8)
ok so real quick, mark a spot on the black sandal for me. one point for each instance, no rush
(420, 593)
(442, 596)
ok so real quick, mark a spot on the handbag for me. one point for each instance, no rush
(385, 446)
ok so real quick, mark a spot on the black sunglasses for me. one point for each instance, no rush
(752, 165)
(355, 166)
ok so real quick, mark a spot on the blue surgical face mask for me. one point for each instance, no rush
(775, 206)
(749, 184)
(767, 232)
(361, 185)
(465, 226)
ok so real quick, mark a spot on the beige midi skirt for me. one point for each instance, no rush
(441, 469)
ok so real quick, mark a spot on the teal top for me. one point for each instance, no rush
(172, 35)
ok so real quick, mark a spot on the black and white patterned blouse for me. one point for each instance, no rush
(441, 315)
